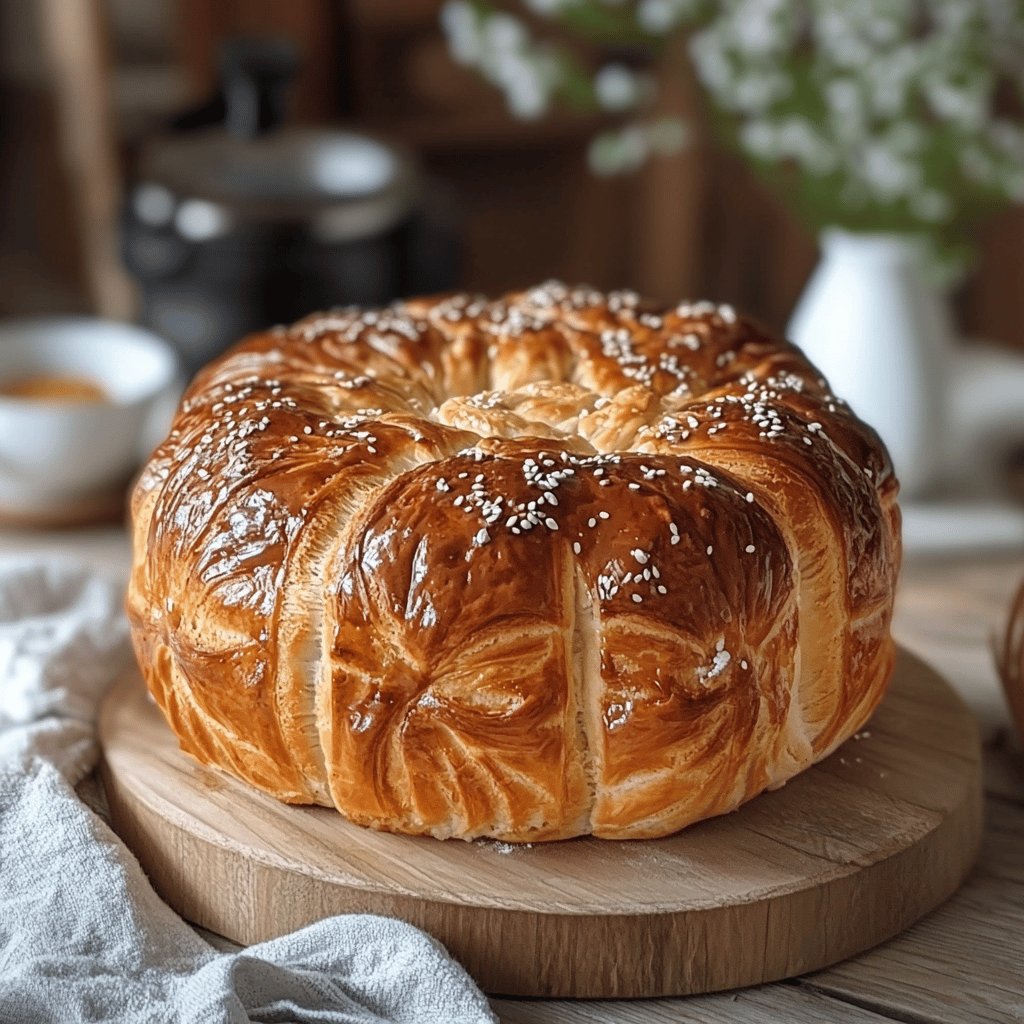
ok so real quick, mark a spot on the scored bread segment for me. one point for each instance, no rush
(305, 633)
(458, 717)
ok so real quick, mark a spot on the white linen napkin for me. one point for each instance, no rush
(83, 936)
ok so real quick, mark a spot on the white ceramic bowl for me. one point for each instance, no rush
(54, 452)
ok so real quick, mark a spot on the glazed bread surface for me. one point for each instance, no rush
(553, 565)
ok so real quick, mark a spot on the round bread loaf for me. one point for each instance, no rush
(554, 565)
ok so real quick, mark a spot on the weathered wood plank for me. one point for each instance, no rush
(783, 1003)
(1004, 768)
(1003, 850)
(962, 963)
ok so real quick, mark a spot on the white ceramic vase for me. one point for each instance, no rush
(882, 335)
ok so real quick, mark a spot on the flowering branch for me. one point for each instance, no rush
(878, 115)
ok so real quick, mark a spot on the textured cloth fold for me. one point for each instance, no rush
(83, 936)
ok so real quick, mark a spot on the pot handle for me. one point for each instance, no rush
(256, 74)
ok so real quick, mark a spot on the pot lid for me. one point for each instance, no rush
(285, 175)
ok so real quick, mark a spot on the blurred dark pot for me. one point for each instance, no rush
(230, 229)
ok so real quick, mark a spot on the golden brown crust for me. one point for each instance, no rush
(553, 565)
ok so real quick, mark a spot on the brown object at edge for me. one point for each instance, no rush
(1010, 662)
(76, 50)
(847, 855)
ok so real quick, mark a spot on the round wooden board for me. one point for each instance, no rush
(843, 857)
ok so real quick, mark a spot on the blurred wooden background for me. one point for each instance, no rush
(74, 104)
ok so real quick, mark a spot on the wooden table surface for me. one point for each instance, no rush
(962, 963)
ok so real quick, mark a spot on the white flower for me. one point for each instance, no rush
(546, 8)
(659, 16)
(759, 91)
(713, 66)
(978, 165)
(504, 34)
(1009, 138)
(459, 22)
(624, 150)
(890, 79)
(838, 41)
(526, 97)
(954, 102)
(527, 81)
(1013, 184)
(758, 139)
(931, 206)
(954, 16)
(886, 172)
(844, 97)
(757, 28)
(616, 87)
(911, 138)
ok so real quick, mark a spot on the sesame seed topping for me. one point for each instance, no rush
(630, 347)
